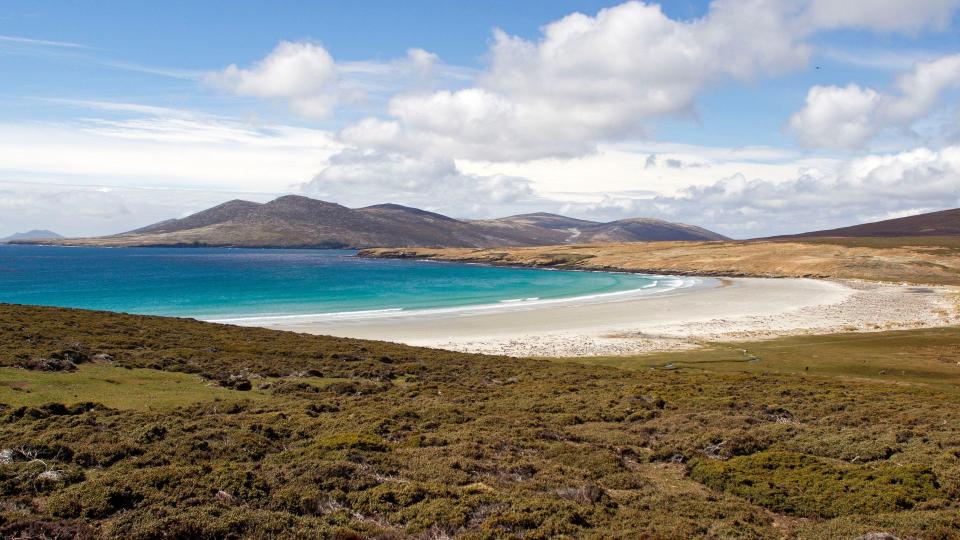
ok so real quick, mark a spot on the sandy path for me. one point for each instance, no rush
(727, 309)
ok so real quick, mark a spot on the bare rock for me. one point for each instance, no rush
(224, 497)
(50, 476)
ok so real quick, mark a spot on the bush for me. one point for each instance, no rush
(805, 486)
(354, 441)
(93, 499)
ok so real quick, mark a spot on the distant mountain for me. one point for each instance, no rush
(625, 230)
(296, 221)
(36, 234)
(550, 221)
(942, 223)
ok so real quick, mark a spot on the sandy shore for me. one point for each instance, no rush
(725, 309)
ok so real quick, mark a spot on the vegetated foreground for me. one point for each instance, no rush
(930, 260)
(268, 433)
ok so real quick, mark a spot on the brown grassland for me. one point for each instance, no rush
(166, 428)
(929, 260)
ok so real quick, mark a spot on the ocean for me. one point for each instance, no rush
(230, 284)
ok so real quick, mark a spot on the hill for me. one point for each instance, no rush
(297, 221)
(35, 234)
(931, 260)
(172, 428)
(625, 230)
(942, 223)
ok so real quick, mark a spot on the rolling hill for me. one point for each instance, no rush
(942, 223)
(297, 221)
(625, 230)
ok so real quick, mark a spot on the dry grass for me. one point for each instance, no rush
(923, 260)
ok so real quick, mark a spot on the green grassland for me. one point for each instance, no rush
(929, 357)
(813, 437)
(131, 388)
(113, 387)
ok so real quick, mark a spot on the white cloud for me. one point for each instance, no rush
(90, 210)
(885, 59)
(848, 117)
(154, 146)
(837, 117)
(589, 79)
(623, 168)
(360, 178)
(883, 15)
(20, 40)
(301, 72)
(544, 123)
(869, 188)
(306, 76)
(423, 61)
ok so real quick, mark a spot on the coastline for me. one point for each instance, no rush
(269, 321)
(728, 309)
(914, 260)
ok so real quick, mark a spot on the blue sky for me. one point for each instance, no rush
(737, 116)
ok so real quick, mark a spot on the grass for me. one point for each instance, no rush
(927, 357)
(134, 388)
(118, 388)
(949, 244)
(356, 439)
(923, 260)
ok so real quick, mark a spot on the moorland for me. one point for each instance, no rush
(244, 432)
(920, 260)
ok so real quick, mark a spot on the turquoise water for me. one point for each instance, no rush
(215, 283)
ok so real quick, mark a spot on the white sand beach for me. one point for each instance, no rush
(713, 310)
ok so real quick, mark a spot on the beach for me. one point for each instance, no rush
(704, 310)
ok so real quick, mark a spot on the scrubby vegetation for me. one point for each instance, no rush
(352, 439)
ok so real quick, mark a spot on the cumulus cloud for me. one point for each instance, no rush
(848, 117)
(359, 178)
(312, 83)
(869, 188)
(591, 78)
(588, 80)
(301, 72)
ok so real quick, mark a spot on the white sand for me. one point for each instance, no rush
(726, 309)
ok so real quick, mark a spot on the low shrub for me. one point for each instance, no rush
(806, 486)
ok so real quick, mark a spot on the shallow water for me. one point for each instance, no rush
(216, 283)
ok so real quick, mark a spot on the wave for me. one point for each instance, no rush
(333, 315)
(665, 283)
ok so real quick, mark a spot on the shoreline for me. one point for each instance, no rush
(728, 309)
(679, 283)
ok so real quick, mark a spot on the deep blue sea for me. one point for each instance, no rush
(219, 283)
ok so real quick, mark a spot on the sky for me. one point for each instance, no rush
(747, 117)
